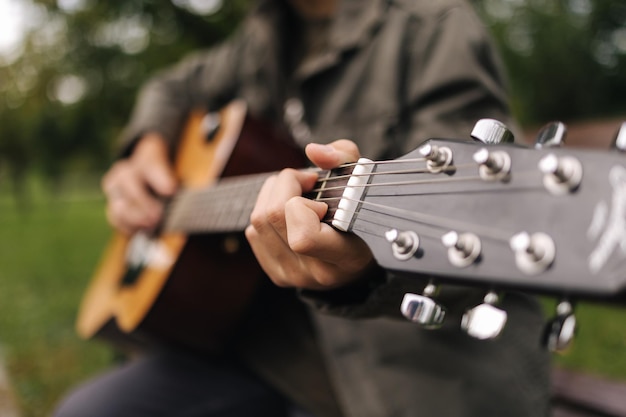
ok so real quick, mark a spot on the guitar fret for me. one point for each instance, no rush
(223, 207)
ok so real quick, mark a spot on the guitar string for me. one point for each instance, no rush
(373, 220)
(424, 218)
(257, 178)
(431, 220)
(242, 212)
(400, 183)
(429, 181)
(386, 162)
(190, 209)
(202, 196)
(374, 174)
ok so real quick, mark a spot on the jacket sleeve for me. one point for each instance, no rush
(452, 79)
(203, 79)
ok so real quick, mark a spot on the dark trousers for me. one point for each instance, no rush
(168, 384)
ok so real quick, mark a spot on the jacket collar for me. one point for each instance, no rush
(352, 27)
(355, 21)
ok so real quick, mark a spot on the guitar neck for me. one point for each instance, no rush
(515, 228)
(224, 207)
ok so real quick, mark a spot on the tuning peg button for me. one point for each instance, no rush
(403, 244)
(485, 321)
(619, 142)
(533, 253)
(463, 249)
(493, 165)
(438, 158)
(560, 330)
(561, 174)
(491, 132)
(551, 135)
(422, 309)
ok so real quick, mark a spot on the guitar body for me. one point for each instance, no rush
(193, 289)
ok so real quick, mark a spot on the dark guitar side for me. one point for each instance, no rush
(197, 302)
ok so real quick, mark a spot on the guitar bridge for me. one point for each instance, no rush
(142, 252)
(352, 196)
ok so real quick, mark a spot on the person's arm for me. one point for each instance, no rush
(205, 79)
(137, 183)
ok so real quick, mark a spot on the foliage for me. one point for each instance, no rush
(66, 96)
(46, 258)
(565, 58)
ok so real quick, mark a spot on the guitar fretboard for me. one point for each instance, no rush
(224, 207)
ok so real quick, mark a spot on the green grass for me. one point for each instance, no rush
(47, 255)
(600, 345)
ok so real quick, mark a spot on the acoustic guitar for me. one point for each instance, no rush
(191, 282)
(482, 213)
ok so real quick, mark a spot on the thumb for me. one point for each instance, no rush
(329, 156)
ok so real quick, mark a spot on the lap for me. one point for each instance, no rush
(166, 384)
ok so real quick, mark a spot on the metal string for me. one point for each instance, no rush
(438, 222)
(206, 196)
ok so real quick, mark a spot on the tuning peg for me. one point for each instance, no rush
(491, 132)
(561, 174)
(619, 142)
(463, 249)
(552, 135)
(422, 309)
(560, 330)
(403, 244)
(533, 253)
(437, 158)
(493, 165)
(485, 321)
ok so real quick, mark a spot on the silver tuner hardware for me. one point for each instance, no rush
(463, 249)
(533, 253)
(552, 135)
(491, 132)
(403, 244)
(619, 141)
(485, 321)
(561, 329)
(561, 174)
(493, 165)
(437, 158)
(422, 309)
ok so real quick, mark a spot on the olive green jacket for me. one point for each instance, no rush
(395, 72)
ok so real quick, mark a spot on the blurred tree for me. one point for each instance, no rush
(66, 95)
(566, 58)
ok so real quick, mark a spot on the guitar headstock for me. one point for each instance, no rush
(547, 219)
